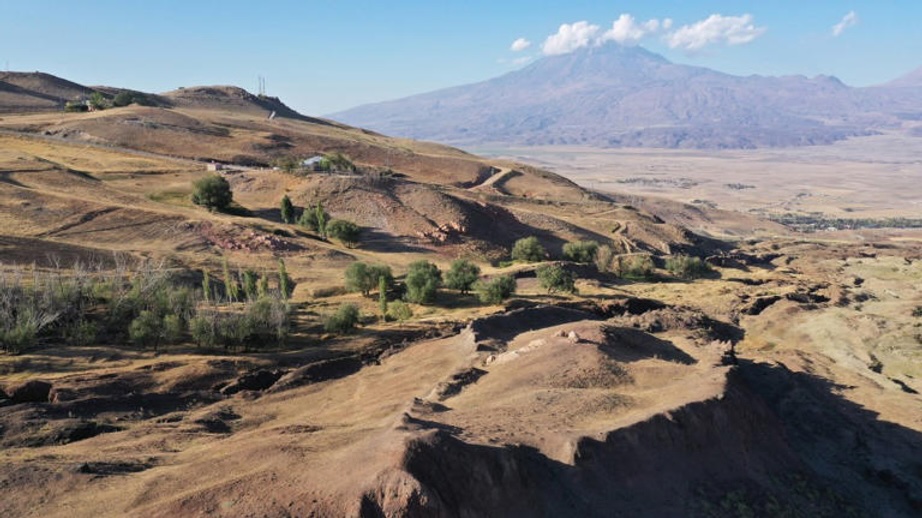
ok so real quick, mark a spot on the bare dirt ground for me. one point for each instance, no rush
(872, 177)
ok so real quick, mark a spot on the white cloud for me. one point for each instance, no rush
(519, 45)
(626, 31)
(524, 60)
(569, 37)
(731, 30)
(848, 20)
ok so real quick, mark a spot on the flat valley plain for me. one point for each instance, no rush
(871, 177)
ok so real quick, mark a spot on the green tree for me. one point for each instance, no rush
(363, 277)
(262, 289)
(581, 251)
(346, 231)
(554, 277)
(312, 217)
(496, 290)
(287, 210)
(212, 192)
(98, 101)
(250, 285)
(423, 280)
(286, 285)
(343, 320)
(144, 330)
(206, 286)
(529, 250)
(462, 275)
(382, 296)
(123, 98)
(231, 287)
(321, 217)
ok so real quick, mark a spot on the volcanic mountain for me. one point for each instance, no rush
(618, 96)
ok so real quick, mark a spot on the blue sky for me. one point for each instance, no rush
(321, 56)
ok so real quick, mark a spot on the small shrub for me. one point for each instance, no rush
(399, 310)
(917, 312)
(639, 267)
(212, 192)
(495, 291)
(343, 320)
(580, 251)
(462, 275)
(603, 258)
(423, 280)
(529, 250)
(687, 267)
(554, 277)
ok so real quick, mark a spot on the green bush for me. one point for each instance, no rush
(399, 310)
(345, 231)
(212, 192)
(363, 278)
(495, 291)
(123, 98)
(581, 251)
(554, 277)
(423, 280)
(636, 267)
(529, 250)
(462, 275)
(145, 329)
(343, 320)
(688, 267)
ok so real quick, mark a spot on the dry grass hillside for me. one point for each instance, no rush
(781, 380)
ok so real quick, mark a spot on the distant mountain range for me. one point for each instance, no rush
(617, 96)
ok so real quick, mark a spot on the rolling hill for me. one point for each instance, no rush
(618, 96)
(785, 381)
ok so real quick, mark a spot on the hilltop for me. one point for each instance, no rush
(621, 96)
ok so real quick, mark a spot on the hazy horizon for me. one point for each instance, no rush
(322, 57)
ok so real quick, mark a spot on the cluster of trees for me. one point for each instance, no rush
(315, 219)
(816, 222)
(606, 260)
(421, 285)
(98, 101)
(148, 306)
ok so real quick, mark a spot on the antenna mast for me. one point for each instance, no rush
(262, 86)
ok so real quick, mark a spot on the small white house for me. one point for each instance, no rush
(312, 162)
(214, 166)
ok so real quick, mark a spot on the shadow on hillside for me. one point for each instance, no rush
(625, 344)
(374, 240)
(849, 446)
(730, 456)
